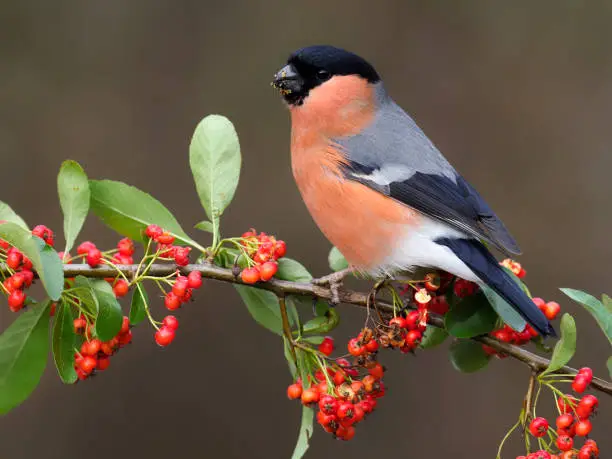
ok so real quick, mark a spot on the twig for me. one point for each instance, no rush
(347, 296)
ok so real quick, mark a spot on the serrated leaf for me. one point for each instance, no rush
(566, 346)
(110, 316)
(140, 301)
(74, 196)
(205, 225)
(336, 260)
(264, 308)
(214, 157)
(601, 313)
(291, 270)
(506, 312)
(64, 342)
(24, 347)
(128, 211)
(9, 215)
(471, 316)
(433, 337)
(468, 356)
(306, 429)
(45, 260)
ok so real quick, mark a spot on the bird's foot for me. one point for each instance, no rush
(334, 282)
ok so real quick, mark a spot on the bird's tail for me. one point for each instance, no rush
(486, 267)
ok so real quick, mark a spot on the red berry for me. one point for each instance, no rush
(171, 322)
(126, 246)
(580, 383)
(85, 247)
(194, 279)
(377, 371)
(345, 411)
(121, 288)
(16, 300)
(538, 427)
(589, 402)
(539, 302)
(551, 310)
(153, 232)
(432, 282)
(165, 238)
(566, 404)
(593, 445)
(327, 346)
(268, 270)
(164, 336)
(14, 259)
(587, 372)
(502, 335)
(463, 288)
(44, 233)
(413, 338)
(358, 413)
(355, 348)
(372, 345)
(565, 442)
(107, 349)
(180, 286)
(172, 301)
(294, 391)
(339, 377)
(121, 259)
(280, 249)
(79, 324)
(125, 325)
(583, 428)
(125, 338)
(586, 452)
(345, 433)
(88, 364)
(26, 264)
(249, 275)
(399, 322)
(181, 255)
(17, 280)
(103, 363)
(93, 257)
(328, 404)
(439, 305)
(564, 421)
(310, 396)
(91, 347)
(412, 320)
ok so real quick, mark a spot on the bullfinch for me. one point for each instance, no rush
(378, 188)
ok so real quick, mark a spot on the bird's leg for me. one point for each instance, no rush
(334, 281)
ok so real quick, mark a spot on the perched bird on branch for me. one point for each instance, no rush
(378, 188)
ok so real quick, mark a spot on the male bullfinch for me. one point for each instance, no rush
(378, 188)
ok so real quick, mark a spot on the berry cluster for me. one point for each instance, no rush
(403, 333)
(165, 247)
(21, 267)
(263, 251)
(574, 420)
(344, 398)
(94, 354)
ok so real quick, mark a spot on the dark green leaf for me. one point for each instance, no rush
(565, 347)
(45, 260)
(304, 366)
(291, 270)
(140, 301)
(74, 196)
(7, 214)
(433, 337)
(337, 262)
(24, 347)
(471, 316)
(306, 429)
(205, 225)
(468, 356)
(263, 306)
(128, 211)
(64, 341)
(289, 358)
(507, 313)
(86, 294)
(110, 315)
(316, 340)
(322, 324)
(602, 314)
(214, 157)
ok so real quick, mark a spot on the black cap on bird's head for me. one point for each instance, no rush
(309, 67)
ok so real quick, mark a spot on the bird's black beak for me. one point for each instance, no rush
(288, 81)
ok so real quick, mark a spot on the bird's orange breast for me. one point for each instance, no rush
(363, 224)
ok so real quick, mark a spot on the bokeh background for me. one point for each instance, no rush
(518, 95)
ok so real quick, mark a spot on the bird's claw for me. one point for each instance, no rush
(334, 281)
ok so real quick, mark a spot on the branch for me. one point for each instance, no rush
(281, 288)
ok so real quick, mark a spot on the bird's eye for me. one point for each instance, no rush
(323, 75)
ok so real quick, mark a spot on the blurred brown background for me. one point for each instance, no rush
(518, 95)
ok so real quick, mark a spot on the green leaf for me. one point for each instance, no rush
(86, 294)
(45, 260)
(110, 315)
(289, 358)
(433, 337)
(74, 196)
(316, 340)
(140, 301)
(263, 306)
(609, 364)
(128, 211)
(205, 225)
(322, 324)
(7, 214)
(468, 356)
(291, 270)
(24, 347)
(472, 316)
(214, 157)
(64, 341)
(507, 313)
(599, 310)
(565, 347)
(306, 429)
(337, 262)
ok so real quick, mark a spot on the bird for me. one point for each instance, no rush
(379, 189)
